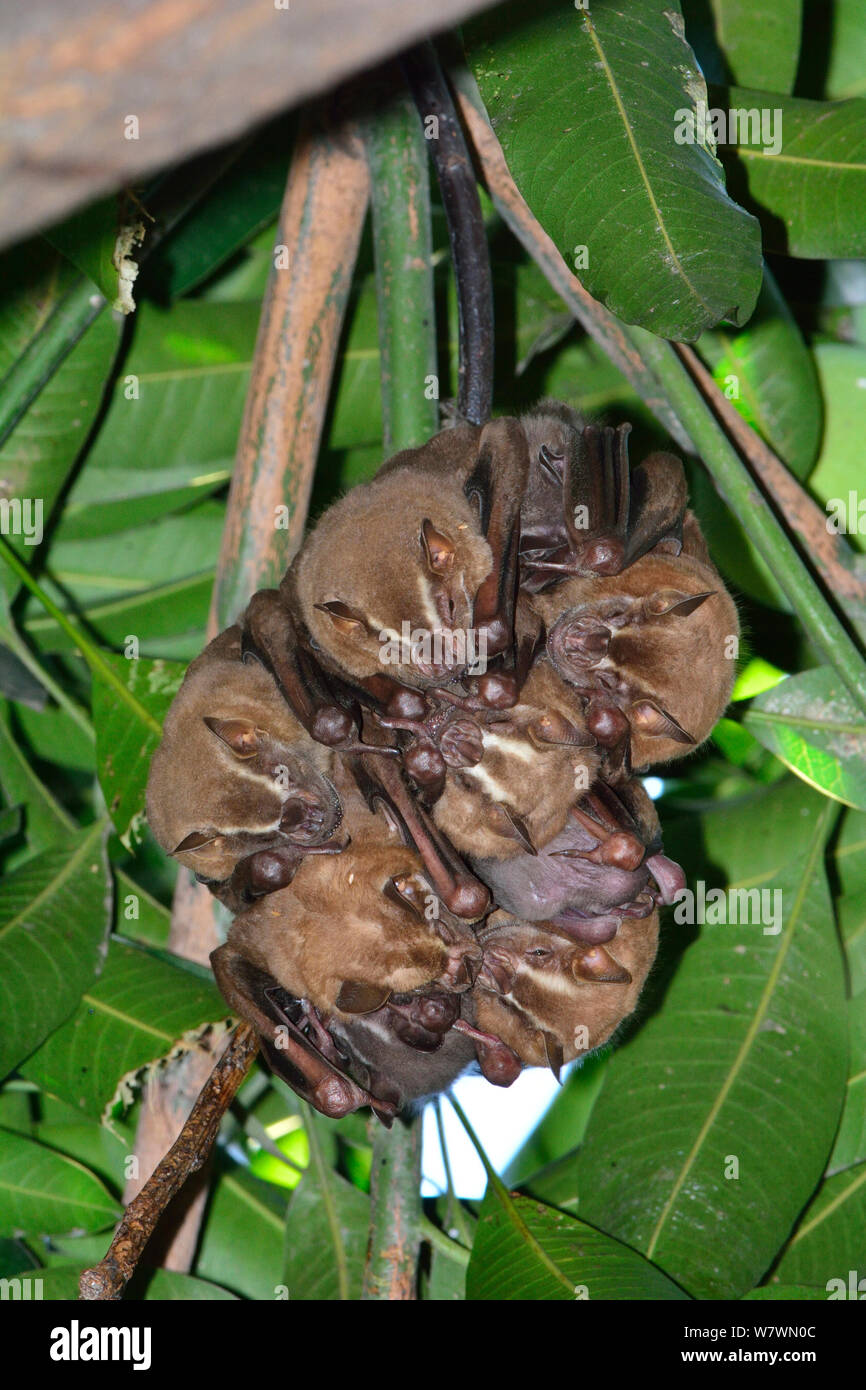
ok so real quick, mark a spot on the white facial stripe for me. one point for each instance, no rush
(428, 607)
(490, 785)
(511, 747)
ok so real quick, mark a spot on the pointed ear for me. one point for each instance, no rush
(406, 891)
(356, 997)
(239, 735)
(347, 620)
(197, 839)
(673, 602)
(598, 967)
(656, 722)
(553, 1052)
(438, 548)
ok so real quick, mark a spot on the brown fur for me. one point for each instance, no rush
(535, 779)
(677, 662)
(546, 1000)
(197, 784)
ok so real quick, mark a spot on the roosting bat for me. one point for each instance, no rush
(651, 650)
(605, 865)
(404, 573)
(237, 781)
(551, 999)
(607, 515)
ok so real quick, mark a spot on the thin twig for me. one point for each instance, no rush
(466, 232)
(828, 552)
(109, 1278)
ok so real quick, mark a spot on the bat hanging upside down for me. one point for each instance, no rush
(409, 769)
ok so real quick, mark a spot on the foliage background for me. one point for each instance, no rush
(748, 1045)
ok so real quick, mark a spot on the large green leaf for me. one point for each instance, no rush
(128, 715)
(809, 194)
(813, 725)
(43, 1193)
(88, 240)
(830, 1238)
(838, 475)
(172, 423)
(759, 39)
(242, 1239)
(154, 581)
(46, 822)
(850, 1146)
(326, 1234)
(135, 1014)
(536, 1252)
(768, 374)
(697, 1152)
(54, 920)
(585, 104)
(562, 1126)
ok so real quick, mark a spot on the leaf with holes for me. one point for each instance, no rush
(813, 725)
(54, 920)
(132, 1016)
(594, 112)
(697, 1153)
(130, 701)
(535, 1252)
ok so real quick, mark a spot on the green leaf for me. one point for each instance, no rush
(38, 457)
(810, 193)
(54, 919)
(46, 822)
(838, 475)
(850, 1146)
(562, 1126)
(128, 717)
(830, 1238)
(851, 911)
(759, 39)
(153, 582)
(812, 724)
(835, 56)
(134, 1014)
(43, 1193)
(60, 1284)
(326, 1234)
(768, 374)
(87, 239)
(242, 1240)
(745, 1043)
(563, 1259)
(778, 1293)
(174, 441)
(586, 107)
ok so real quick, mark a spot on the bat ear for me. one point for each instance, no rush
(239, 735)
(553, 1052)
(654, 721)
(673, 602)
(197, 839)
(356, 997)
(347, 620)
(438, 548)
(406, 891)
(553, 464)
(597, 966)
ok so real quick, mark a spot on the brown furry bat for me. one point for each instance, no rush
(534, 761)
(650, 650)
(400, 573)
(237, 776)
(550, 999)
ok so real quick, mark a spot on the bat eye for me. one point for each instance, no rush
(539, 953)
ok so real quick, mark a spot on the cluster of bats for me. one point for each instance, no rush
(410, 771)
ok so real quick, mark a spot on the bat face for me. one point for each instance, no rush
(550, 999)
(235, 773)
(654, 643)
(386, 583)
(534, 758)
(394, 1070)
(354, 929)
